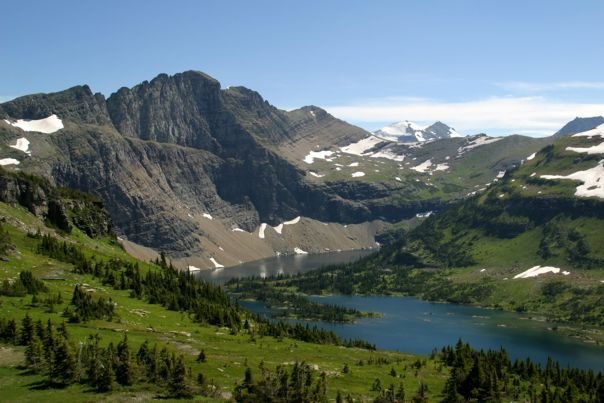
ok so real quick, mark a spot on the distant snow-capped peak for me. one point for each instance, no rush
(409, 132)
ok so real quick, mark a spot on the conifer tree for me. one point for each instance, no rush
(123, 369)
(63, 364)
(177, 382)
(34, 354)
(27, 331)
(106, 374)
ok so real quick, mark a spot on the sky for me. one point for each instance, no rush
(498, 67)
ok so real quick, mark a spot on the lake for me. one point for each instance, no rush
(416, 326)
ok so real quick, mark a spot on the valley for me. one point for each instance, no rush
(339, 226)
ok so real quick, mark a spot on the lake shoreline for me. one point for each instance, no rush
(576, 330)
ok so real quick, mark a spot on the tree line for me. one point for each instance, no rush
(50, 351)
(179, 291)
(491, 376)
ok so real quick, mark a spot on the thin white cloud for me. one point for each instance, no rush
(536, 116)
(526, 86)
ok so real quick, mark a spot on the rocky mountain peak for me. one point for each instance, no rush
(578, 125)
(77, 104)
(179, 109)
(409, 132)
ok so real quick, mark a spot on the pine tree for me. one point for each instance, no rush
(34, 354)
(63, 364)
(177, 381)
(123, 369)
(91, 359)
(201, 357)
(27, 331)
(105, 375)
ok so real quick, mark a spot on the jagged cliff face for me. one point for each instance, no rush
(62, 208)
(168, 154)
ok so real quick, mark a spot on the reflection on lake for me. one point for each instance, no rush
(289, 264)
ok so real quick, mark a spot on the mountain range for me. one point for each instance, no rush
(214, 176)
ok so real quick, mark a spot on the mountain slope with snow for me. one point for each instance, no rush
(409, 132)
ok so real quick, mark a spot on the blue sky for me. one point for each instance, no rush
(495, 66)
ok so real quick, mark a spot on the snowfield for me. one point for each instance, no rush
(599, 149)
(299, 251)
(593, 183)
(597, 131)
(216, 264)
(261, 231)
(423, 167)
(47, 125)
(9, 161)
(537, 271)
(22, 145)
(292, 222)
(316, 175)
(424, 215)
(358, 174)
(388, 155)
(361, 146)
(480, 141)
(209, 217)
(313, 155)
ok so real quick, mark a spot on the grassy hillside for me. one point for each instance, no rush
(471, 252)
(81, 320)
(229, 351)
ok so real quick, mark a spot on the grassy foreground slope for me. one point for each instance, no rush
(80, 320)
(228, 350)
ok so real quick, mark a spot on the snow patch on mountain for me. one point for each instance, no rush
(47, 125)
(313, 155)
(409, 132)
(388, 155)
(423, 167)
(216, 264)
(362, 146)
(22, 144)
(537, 271)
(358, 174)
(477, 142)
(193, 269)
(261, 231)
(598, 149)
(593, 181)
(292, 222)
(9, 161)
(597, 131)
